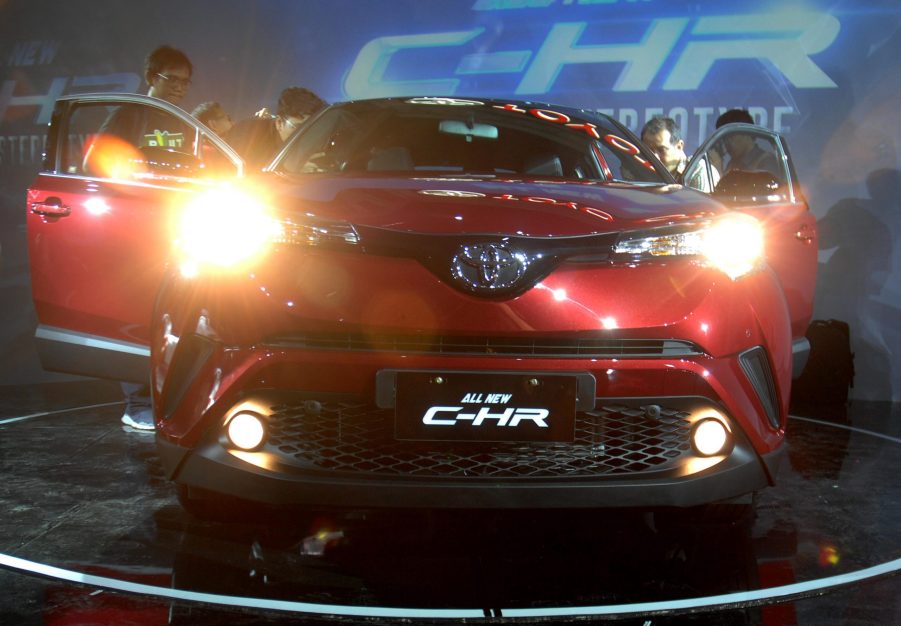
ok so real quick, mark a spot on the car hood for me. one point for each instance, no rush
(464, 205)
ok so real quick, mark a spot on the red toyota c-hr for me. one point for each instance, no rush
(430, 302)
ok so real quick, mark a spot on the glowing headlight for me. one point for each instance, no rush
(246, 431)
(733, 243)
(222, 228)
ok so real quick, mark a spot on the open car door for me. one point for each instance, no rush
(749, 169)
(98, 215)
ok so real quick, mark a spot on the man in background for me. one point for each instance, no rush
(734, 116)
(745, 154)
(259, 138)
(213, 115)
(662, 136)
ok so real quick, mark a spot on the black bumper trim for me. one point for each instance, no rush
(213, 468)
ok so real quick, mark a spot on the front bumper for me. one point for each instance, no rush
(620, 458)
(201, 379)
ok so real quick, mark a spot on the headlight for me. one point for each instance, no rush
(222, 228)
(318, 232)
(733, 243)
(226, 227)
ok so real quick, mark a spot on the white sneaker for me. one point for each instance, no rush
(141, 419)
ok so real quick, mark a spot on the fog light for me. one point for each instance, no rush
(710, 437)
(246, 431)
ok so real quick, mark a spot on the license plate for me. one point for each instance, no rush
(475, 406)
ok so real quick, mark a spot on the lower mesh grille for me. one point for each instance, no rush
(359, 438)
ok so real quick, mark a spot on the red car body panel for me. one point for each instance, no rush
(99, 268)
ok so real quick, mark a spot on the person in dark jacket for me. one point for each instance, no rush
(259, 138)
(167, 71)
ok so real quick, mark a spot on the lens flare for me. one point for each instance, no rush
(108, 156)
(224, 227)
(829, 555)
(734, 244)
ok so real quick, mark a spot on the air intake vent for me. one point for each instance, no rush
(757, 369)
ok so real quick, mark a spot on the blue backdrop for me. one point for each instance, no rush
(825, 73)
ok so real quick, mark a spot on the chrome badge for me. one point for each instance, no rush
(457, 102)
(486, 267)
(451, 193)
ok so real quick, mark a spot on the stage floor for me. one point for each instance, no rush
(91, 532)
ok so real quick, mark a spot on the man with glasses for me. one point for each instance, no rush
(259, 138)
(167, 72)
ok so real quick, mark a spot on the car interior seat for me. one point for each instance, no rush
(543, 165)
(396, 158)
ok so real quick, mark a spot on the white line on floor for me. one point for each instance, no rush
(724, 601)
(856, 430)
(45, 413)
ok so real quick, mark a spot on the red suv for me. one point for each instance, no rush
(430, 302)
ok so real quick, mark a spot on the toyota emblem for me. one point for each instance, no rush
(488, 266)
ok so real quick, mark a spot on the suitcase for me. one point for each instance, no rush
(829, 373)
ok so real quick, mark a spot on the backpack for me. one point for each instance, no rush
(829, 372)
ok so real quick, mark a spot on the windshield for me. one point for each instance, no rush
(448, 136)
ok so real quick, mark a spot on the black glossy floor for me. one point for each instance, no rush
(90, 533)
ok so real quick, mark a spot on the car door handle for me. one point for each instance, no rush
(52, 207)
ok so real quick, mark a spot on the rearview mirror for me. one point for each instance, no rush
(468, 130)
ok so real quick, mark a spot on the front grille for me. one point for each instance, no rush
(549, 347)
(358, 438)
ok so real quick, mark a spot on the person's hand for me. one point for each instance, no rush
(318, 162)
